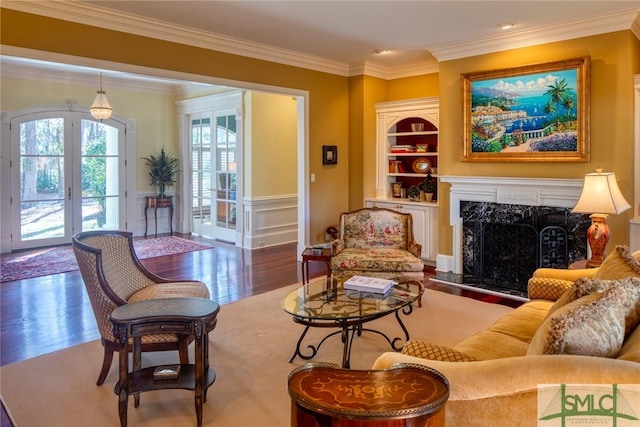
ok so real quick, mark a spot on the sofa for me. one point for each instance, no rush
(377, 242)
(578, 327)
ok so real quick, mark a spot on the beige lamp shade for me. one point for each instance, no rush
(601, 194)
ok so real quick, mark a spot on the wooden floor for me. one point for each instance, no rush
(50, 313)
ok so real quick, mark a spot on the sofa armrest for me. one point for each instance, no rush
(415, 248)
(547, 288)
(513, 375)
(337, 247)
(565, 274)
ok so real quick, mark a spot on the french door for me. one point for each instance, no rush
(214, 174)
(64, 177)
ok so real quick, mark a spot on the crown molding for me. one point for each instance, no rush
(83, 13)
(605, 23)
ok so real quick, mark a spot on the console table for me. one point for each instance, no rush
(323, 395)
(184, 316)
(154, 203)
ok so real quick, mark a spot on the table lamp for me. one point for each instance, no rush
(600, 197)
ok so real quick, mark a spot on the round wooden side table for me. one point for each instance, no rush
(325, 395)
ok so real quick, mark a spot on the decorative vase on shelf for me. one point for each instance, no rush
(428, 197)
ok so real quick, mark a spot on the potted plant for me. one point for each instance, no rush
(163, 168)
(413, 192)
(428, 187)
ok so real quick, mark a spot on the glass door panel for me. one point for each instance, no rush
(43, 210)
(67, 178)
(226, 178)
(100, 178)
(201, 176)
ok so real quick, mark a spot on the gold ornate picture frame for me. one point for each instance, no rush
(533, 113)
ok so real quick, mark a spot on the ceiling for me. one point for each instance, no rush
(342, 36)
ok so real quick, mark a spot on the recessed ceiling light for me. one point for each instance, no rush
(381, 51)
(506, 25)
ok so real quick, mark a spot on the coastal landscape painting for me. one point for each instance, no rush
(532, 113)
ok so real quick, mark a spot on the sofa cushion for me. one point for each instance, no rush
(376, 259)
(488, 345)
(427, 350)
(620, 263)
(593, 325)
(523, 322)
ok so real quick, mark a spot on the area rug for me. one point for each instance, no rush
(61, 259)
(249, 350)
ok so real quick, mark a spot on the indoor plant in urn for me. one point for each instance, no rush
(427, 188)
(163, 168)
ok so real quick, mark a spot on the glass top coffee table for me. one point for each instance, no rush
(324, 303)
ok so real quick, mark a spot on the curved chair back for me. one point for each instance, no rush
(110, 270)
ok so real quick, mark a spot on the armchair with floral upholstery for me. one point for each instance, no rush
(377, 242)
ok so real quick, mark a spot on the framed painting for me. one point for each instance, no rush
(329, 155)
(533, 113)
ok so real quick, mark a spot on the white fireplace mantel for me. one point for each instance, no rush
(552, 192)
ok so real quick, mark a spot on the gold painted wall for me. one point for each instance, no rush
(271, 144)
(612, 69)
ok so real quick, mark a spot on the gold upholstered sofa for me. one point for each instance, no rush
(579, 327)
(377, 242)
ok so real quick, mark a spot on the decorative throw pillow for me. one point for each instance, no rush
(620, 263)
(593, 325)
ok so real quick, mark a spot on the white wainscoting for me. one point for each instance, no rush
(270, 221)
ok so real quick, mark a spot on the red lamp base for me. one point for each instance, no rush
(598, 237)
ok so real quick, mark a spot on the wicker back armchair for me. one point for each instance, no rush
(114, 276)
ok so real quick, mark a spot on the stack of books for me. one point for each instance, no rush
(369, 284)
(403, 149)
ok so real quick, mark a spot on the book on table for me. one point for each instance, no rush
(369, 284)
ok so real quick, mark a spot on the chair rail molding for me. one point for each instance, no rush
(552, 192)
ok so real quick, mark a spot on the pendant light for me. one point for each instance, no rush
(101, 110)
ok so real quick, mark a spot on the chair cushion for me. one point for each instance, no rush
(171, 290)
(376, 259)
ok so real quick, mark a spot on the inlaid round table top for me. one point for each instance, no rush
(404, 391)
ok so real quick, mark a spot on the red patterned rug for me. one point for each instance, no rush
(60, 260)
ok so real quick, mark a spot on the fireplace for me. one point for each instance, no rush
(503, 244)
(505, 228)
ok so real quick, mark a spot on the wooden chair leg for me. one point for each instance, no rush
(183, 349)
(106, 365)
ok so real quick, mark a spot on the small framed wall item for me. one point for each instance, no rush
(329, 154)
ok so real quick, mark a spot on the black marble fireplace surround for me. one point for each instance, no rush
(502, 244)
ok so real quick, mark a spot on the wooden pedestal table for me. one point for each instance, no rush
(181, 316)
(155, 203)
(324, 395)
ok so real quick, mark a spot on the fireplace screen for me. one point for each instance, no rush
(504, 244)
